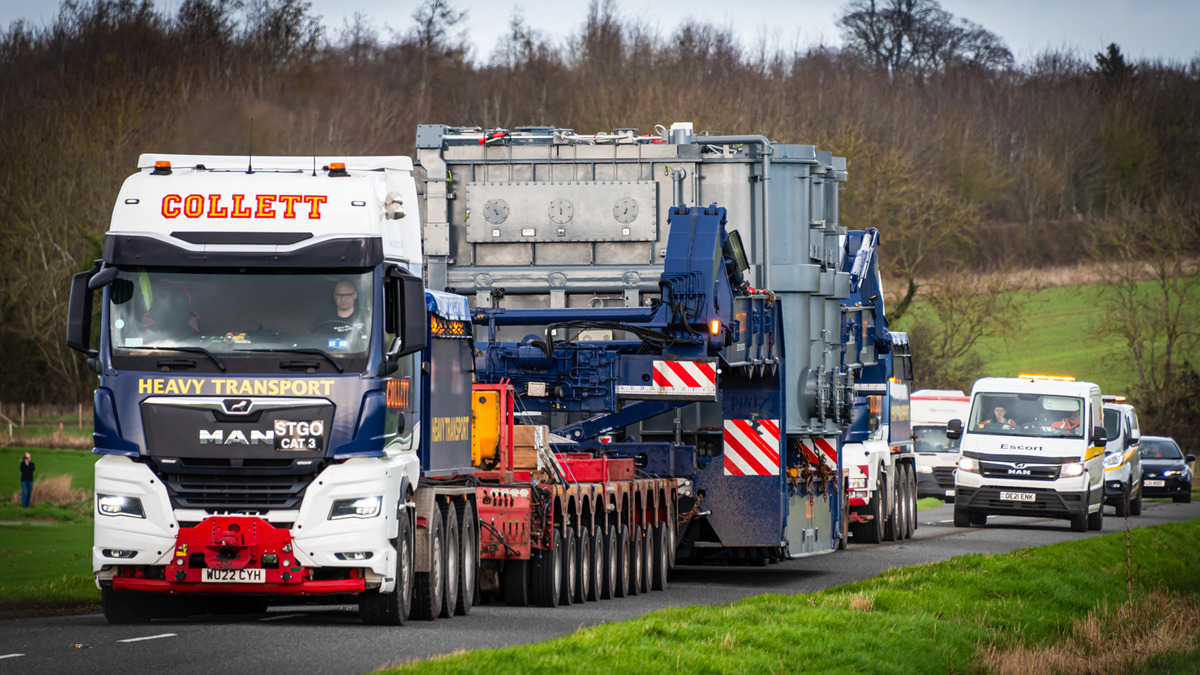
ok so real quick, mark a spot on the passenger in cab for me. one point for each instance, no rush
(1070, 423)
(998, 421)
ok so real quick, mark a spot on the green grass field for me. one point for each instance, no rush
(45, 567)
(78, 464)
(1058, 337)
(970, 613)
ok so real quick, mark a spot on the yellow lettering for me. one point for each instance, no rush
(246, 389)
(285, 387)
(273, 388)
(172, 387)
(158, 386)
(145, 386)
(199, 385)
(328, 386)
(260, 387)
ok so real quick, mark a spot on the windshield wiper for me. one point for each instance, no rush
(301, 350)
(195, 350)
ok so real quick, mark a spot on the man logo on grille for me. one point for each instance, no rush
(236, 406)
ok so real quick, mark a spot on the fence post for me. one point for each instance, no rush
(22, 414)
(80, 415)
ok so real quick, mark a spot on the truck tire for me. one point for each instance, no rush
(912, 500)
(1135, 504)
(901, 502)
(636, 559)
(598, 565)
(429, 587)
(841, 545)
(583, 565)
(122, 607)
(672, 526)
(450, 545)
(961, 517)
(1121, 507)
(621, 589)
(515, 581)
(887, 489)
(549, 573)
(393, 609)
(662, 559)
(873, 529)
(611, 559)
(468, 553)
(1095, 521)
(566, 590)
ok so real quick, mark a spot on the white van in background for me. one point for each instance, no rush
(1123, 457)
(937, 453)
(1032, 446)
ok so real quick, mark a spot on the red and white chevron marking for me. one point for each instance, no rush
(685, 375)
(821, 450)
(750, 449)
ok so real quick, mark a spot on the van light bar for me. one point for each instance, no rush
(1113, 398)
(1053, 378)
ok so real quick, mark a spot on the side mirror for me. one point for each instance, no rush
(79, 311)
(407, 317)
(954, 429)
(1099, 437)
(1191, 458)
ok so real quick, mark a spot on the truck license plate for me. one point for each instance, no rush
(1156, 483)
(244, 576)
(1019, 496)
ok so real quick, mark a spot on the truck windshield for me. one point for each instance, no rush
(1037, 415)
(224, 313)
(932, 438)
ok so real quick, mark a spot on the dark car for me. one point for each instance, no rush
(1165, 469)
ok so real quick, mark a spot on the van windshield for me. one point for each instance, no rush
(932, 438)
(1112, 423)
(1036, 415)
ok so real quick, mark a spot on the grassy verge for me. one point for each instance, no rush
(45, 566)
(929, 503)
(1059, 608)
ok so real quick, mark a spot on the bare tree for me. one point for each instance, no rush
(917, 36)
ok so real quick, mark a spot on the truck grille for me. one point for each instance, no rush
(1012, 471)
(944, 475)
(216, 487)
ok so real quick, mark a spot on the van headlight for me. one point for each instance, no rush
(362, 507)
(119, 505)
(922, 468)
(1113, 459)
(968, 464)
(1071, 469)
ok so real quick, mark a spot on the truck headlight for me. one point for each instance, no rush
(858, 483)
(118, 505)
(921, 468)
(362, 507)
(1071, 469)
(968, 464)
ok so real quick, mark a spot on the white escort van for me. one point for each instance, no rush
(937, 455)
(1032, 446)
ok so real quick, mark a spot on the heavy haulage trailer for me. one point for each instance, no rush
(548, 387)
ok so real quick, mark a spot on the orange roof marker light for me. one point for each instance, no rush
(1052, 378)
(1113, 398)
(162, 167)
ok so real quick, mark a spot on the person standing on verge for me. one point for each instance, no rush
(26, 480)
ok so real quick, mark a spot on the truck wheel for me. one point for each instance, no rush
(450, 544)
(598, 565)
(841, 545)
(122, 607)
(1095, 521)
(569, 570)
(662, 559)
(912, 500)
(583, 565)
(636, 559)
(872, 530)
(1079, 523)
(621, 587)
(1122, 505)
(515, 582)
(647, 557)
(393, 609)
(978, 519)
(468, 554)
(901, 502)
(1135, 504)
(548, 573)
(890, 510)
(961, 517)
(429, 587)
(611, 558)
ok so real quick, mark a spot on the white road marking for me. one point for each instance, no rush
(280, 616)
(946, 521)
(149, 637)
(10, 656)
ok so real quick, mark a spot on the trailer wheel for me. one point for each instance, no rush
(548, 573)
(961, 517)
(516, 582)
(598, 566)
(569, 569)
(647, 557)
(621, 587)
(662, 559)
(468, 551)
(393, 609)
(583, 565)
(636, 559)
(429, 587)
(450, 544)
(611, 558)
(672, 526)
(121, 607)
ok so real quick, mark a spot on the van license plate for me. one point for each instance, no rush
(1019, 496)
(1156, 483)
(243, 576)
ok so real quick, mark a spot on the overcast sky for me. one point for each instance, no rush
(1145, 29)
